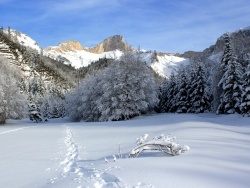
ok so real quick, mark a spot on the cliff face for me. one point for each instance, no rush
(111, 44)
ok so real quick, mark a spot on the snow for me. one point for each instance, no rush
(62, 154)
(24, 39)
(216, 57)
(81, 58)
(168, 64)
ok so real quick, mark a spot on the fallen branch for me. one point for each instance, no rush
(161, 143)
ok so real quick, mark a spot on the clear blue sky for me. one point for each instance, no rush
(162, 25)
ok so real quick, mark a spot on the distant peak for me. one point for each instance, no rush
(71, 45)
(115, 42)
(67, 46)
(116, 38)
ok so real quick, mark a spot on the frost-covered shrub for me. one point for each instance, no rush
(12, 102)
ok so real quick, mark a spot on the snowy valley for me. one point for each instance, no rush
(71, 114)
(62, 154)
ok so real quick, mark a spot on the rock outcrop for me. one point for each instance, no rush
(110, 44)
(67, 46)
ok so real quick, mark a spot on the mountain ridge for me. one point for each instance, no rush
(75, 54)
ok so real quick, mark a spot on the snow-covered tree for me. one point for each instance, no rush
(231, 81)
(125, 89)
(163, 96)
(182, 96)
(245, 102)
(216, 91)
(12, 102)
(34, 113)
(199, 93)
(129, 89)
(172, 90)
(81, 103)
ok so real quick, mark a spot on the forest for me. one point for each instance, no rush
(113, 90)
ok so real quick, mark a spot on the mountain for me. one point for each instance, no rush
(23, 52)
(241, 43)
(74, 54)
(113, 43)
(22, 39)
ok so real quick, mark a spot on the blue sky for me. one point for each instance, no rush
(162, 25)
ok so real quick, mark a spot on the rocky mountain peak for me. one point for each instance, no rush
(71, 46)
(67, 46)
(110, 44)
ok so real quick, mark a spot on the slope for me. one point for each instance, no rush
(32, 64)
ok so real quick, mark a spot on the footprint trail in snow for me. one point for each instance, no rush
(76, 174)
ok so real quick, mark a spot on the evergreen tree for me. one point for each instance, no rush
(182, 96)
(199, 95)
(245, 103)
(172, 90)
(163, 97)
(231, 81)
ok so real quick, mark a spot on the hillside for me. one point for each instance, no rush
(22, 51)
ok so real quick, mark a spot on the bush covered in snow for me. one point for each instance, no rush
(161, 143)
(125, 89)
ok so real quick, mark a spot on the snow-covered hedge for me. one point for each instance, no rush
(161, 143)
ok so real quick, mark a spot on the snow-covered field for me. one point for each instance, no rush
(65, 154)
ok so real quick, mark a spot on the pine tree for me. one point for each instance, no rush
(231, 81)
(172, 90)
(163, 98)
(199, 95)
(183, 103)
(245, 103)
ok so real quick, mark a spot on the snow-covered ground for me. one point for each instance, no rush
(65, 154)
